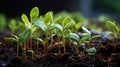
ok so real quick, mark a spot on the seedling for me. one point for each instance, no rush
(75, 39)
(21, 40)
(32, 52)
(114, 29)
(37, 24)
(57, 29)
(43, 41)
(92, 51)
(33, 25)
(13, 39)
(86, 37)
(13, 25)
(67, 26)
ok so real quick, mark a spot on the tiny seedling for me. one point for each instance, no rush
(75, 39)
(114, 29)
(13, 39)
(32, 52)
(13, 25)
(92, 52)
(86, 37)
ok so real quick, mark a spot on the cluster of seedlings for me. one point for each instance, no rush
(41, 30)
(37, 35)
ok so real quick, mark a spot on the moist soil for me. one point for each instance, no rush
(108, 55)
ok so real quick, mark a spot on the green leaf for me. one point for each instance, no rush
(66, 21)
(21, 27)
(72, 24)
(86, 30)
(13, 25)
(48, 18)
(26, 20)
(95, 36)
(25, 35)
(91, 51)
(34, 13)
(10, 39)
(41, 18)
(56, 26)
(33, 28)
(111, 25)
(31, 51)
(16, 37)
(40, 24)
(39, 39)
(57, 19)
(78, 25)
(85, 37)
(73, 36)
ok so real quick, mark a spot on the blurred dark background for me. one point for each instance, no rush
(14, 8)
(89, 8)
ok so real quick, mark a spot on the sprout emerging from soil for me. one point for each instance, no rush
(91, 51)
(114, 29)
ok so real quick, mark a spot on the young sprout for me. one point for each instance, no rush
(32, 52)
(14, 39)
(68, 25)
(92, 51)
(57, 29)
(61, 30)
(31, 24)
(86, 37)
(115, 30)
(75, 39)
(13, 25)
(43, 41)
(23, 38)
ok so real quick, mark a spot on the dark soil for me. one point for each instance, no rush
(107, 55)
